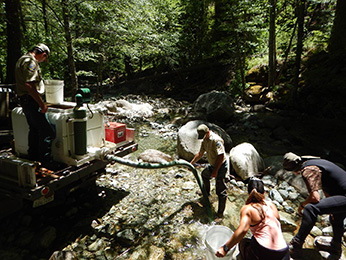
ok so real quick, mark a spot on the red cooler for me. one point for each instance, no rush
(115, 132)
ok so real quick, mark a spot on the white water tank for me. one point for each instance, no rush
(61, 118)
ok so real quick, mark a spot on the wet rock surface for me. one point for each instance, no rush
(158, 214)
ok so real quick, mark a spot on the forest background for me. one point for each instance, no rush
(293, 49)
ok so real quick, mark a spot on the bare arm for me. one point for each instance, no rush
(31, 87)
(239, 233)
(313, 197)
(197, 157)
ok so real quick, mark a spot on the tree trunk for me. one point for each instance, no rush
(240, 53)
(13, 38)
(44, 12)
(300, 33)
(337, 41)
(272, 45)
(71, 63)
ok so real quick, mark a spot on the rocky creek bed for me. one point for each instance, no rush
(158, 214)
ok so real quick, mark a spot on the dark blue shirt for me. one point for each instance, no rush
(333, 177)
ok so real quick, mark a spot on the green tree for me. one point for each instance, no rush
(13, 37)
(337, 42)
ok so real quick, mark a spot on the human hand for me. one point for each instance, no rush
(44, 109)
(220, 252)
(300, 209)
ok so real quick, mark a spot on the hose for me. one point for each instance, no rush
(113, 158)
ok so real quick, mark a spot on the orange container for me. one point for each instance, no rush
(115, 132)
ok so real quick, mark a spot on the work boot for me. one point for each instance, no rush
(222, 206)
(295, 247)
(327, 244)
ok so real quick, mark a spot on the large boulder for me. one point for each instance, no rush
(246, 161)
(188, 144)
(154, 156)
(124, 109)
(215, 105)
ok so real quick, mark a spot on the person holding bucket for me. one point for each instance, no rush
(28, 79)
(262, 218)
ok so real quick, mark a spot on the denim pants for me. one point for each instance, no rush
(41, 133)
(335, 205)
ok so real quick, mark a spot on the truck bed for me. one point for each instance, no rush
(17, 183)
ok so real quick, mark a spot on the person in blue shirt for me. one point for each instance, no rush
(319, 174)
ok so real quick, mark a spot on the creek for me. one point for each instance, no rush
(143, 214)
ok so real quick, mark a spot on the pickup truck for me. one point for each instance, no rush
(25, 182)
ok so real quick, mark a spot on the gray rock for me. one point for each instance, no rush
(283, 193)
(275, 196)
(63, 255)
(188, 144)
(97, 245)
(327, 231)
(128, 236)
(246, 161)
(269, 181)
(154, 156)
(315, 231)
(293, 195)
(215, 105)
(287, 223)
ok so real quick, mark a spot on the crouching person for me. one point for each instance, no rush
(262, 218)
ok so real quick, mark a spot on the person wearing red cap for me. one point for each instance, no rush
(28, 81)
(213, 145)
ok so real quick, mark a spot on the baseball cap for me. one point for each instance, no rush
(42, 47)
(202, 130)
(291, 162)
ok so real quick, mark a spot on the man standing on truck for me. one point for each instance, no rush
(213, 145)
(28, 80)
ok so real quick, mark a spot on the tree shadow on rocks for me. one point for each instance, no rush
(35, 233)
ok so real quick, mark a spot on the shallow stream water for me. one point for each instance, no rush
(132, 214)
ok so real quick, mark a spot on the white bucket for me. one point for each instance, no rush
(215, 237)
(54, 91)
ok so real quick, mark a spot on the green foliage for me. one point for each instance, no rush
(115, 39)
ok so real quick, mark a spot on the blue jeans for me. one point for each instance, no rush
(41, 133)
(335, 205)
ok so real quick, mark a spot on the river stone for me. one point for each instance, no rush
(188, 143)
(97, 245)
(283, 193)
(315, 231)
(246, 161)
(154, 156)
(275, 195)
(127, 236)
(287, 223)
(327, 231)
(217, 106)
(123, 108)
(63, 255)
